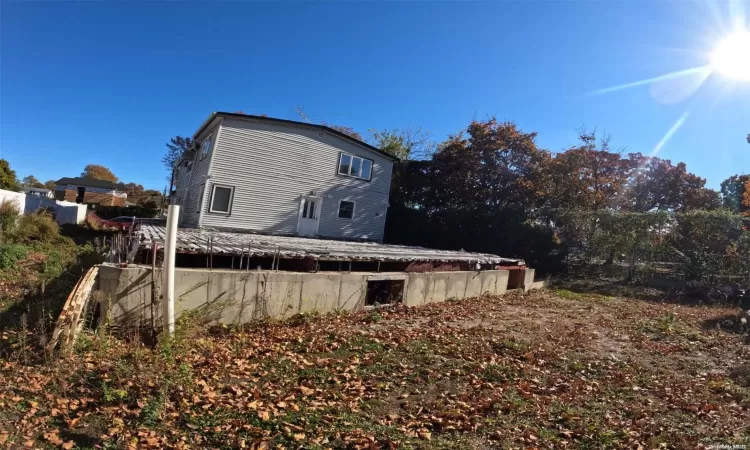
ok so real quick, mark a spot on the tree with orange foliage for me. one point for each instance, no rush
(98, 172)
(735, 193)
(746, 199)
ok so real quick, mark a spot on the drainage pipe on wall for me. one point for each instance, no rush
(170, 242)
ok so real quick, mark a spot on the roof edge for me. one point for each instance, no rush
(294, 122)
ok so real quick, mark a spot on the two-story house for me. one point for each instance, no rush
(283, 177)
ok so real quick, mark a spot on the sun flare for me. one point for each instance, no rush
(732, 56)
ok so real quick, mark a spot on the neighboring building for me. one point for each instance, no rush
(283, 177)
(89, 191)
(38, 192)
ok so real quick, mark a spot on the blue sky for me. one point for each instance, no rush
(110, 82)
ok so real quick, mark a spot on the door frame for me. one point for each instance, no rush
(318, 209)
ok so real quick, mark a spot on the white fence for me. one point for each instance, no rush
(65, 212)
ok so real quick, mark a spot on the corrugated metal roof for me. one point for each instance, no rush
(193, 240)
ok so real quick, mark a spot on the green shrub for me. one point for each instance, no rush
(10, 254)
(37, 227)
(9, 214)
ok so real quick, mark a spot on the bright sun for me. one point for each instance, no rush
(732, 56)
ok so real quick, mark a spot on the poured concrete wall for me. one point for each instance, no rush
(232, 297)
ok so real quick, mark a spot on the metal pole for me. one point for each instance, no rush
(170, 245)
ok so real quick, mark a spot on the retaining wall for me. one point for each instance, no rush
(232, 296)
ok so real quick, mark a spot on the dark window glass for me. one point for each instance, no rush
(346, 210)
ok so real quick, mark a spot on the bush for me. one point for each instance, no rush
(37, 227)
(9, 213)
(10, 254)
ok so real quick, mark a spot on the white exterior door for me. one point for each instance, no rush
(309, 216)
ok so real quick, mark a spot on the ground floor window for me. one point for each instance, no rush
(346, 209)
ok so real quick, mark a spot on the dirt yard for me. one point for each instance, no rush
(552, 369)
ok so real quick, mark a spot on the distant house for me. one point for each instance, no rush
(38, 192)
(283, 177)
(89, 191)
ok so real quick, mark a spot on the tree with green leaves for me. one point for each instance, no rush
(8, 179)
(50, 184)
(410, 143)
(98, 172)
(177, 147)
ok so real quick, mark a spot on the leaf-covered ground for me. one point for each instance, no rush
(552, 369)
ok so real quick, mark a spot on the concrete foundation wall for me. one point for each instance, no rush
(233, 297)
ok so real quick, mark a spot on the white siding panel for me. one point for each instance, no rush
(199, 175)
(272, 165)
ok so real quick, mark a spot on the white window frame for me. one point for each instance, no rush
(351, 161)
(206, 149)
(211, 199)
(354, 210)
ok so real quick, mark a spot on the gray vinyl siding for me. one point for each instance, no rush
(197, 178)
(271, 166)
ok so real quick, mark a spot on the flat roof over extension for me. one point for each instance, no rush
(193, 240)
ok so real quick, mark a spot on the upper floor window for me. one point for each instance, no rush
(355, 166)
(206, 147)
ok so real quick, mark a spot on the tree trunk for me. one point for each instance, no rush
(610, 258)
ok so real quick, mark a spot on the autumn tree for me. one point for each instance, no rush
(50, 184)
(735, 193)
(656, 184)
(98, 172)
(8, 179)
(492, 165)
(31, 182)
(479, 190)
(586, 177)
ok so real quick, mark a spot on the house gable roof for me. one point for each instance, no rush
(294, 122)
(90, 182)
